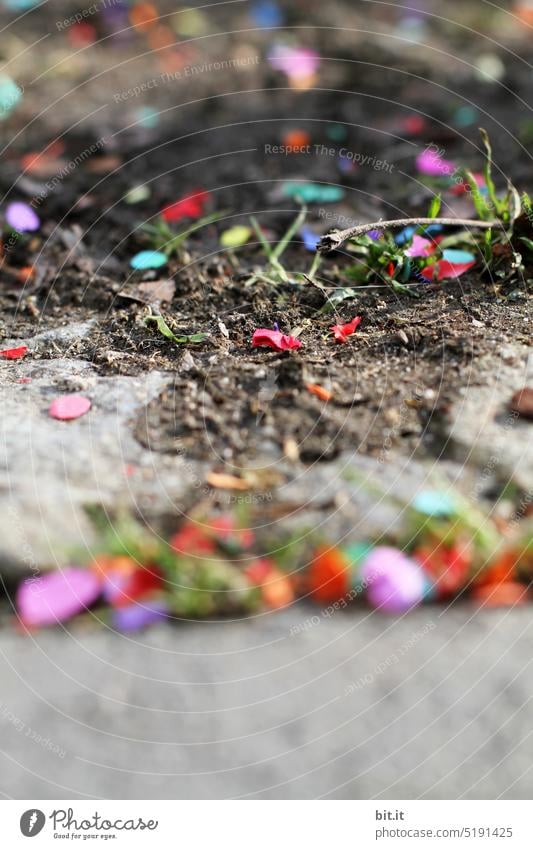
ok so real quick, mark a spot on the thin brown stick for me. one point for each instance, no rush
(332, 241)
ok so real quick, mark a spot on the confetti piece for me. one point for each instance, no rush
(10, 95)
(56, 596)
(223, 481)
(295, 140)
(135, 617)
(319, 391)
(420, 247)
(395, 583)
(504, 594)
(446, 270)
(192, 539)
(137, 194)
(407, 233)
(14, 353)
(329, 575)
(309, 238)
(189, 206)
(457, 257)
(342, 331)
(313, 192)
(430, 163)
(274, 339)
(148, 259)
(448, 567)
(190, 22)
(277, 590)
(22, 217)
(298, 63)
(68, 407)
(236, 236)
(266, 14)
(434, 503)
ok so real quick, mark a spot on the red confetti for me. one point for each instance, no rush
(189, 206)
(14, 353)
(342, 331)
(446, 270)
(274, 339)
(68, 407)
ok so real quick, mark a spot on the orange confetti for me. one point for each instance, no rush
(277, 591)
(329, 575)
(224, 481)
(296, 139)
(161, 37)
(144, 16)
(319, 391)
(504, 594)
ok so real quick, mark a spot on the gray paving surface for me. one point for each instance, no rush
(437, 704)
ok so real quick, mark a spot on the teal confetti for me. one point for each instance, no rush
(434, 503)
(313, 192)
(148, 259)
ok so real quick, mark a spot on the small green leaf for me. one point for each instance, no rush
(165, 331)
(434, 207)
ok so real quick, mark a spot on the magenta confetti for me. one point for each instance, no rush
(22, 217)
(394, 582)
(430, 163)
(68, 407)
(56, 596)
(420, 247)
(135, 617)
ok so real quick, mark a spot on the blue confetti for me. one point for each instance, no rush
(309, 238)
(457, 257)
(148, 259)
(267, 13)
(434, 503)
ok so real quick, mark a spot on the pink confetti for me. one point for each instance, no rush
(274, 339)
(68, 407)
(56, 596)
(22, 217)
(420, 247)
(296, 62)
(395, 583)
